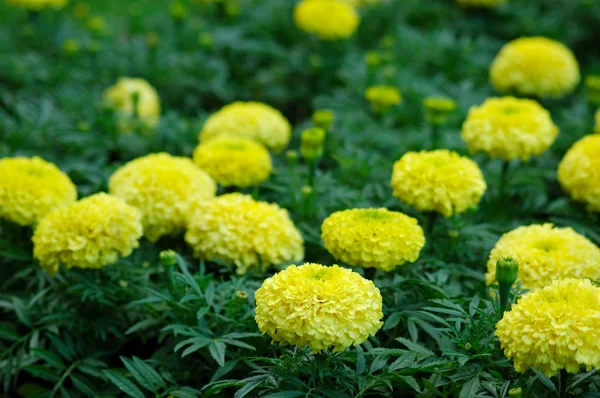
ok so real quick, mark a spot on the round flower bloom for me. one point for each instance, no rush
(480, 3)
(369, 238)
(31, 188)
(254, 120)
(441, 181)
(318, 306)
(555, 328)
(162, 187)
(509, 128)
(535, 66)
(235, 161)
(38, 5)
(90, 233)
(122, 96)
(383, 96)
(250, 234)
(579, 171)
(328, 19)
(546, 253)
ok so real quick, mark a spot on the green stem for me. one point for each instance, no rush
(503, 178)
(64, 376)
(504, 292)
(312, 171)
(563, 384)
(435, 136)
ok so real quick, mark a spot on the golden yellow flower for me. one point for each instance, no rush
(481, 3)
(546, 253)
(441, 181)
(235, 161)
(383, 96)
(162, 187)
(319, 307)
(254, 120)
(250, 234)
(90, 233)
(579, 171)
(121, 98)
(509, 128)
(555, 328)
(372, 238)
(38, 5)
(31, 188)
(327, 19)
(535, 66)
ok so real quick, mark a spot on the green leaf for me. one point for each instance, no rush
(141, 325)
(83, 386)
(470, 388)
(414, 347)
(360, 361)
(8, 334)
(143, 374)
(223, 370)
(124, 385)
(286, 394)
(411, 382)
(217, 351)
(242, 392)
(50, 357)
(42, 372)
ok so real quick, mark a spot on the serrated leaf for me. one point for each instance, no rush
(83, 385)
(143, 374)
(123, 384)
(50, 357)
(146, 323)
(217, 351)
(414, 347)
(470, 388)
(42, 372)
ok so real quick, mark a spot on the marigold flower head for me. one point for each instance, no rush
(250, 234)
(122, 97)
(30, 188)
(383, 96)
(369, 238)
(555, 328)
(90, 233)
(231, 160)
(509, 128)
(579, 171)
(162, 187)
(441, 181)
(481, 3)
(535, 66)
(38, 5)
(254, 120)
(327, 19)
(546, 253)
(319, 307)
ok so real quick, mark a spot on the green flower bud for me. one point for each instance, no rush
(592, 83)
(323, 118)
(507, 271)
(241, 294)
(312, 141)
(205, 39)
(373, 59)
(291, 156)
(71, 47)
(168, 258)
(438, 109)
(178, 10)
(306, 191)
(515, 392)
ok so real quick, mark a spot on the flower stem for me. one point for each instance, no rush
(504, 291)
(563, 384)
(503, 178)
(435, 136)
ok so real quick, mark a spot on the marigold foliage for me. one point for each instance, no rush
(509, 128)
(376, 238)
(579, 171)
(30, 188)
(162, 187)
(546, 253)
(440, 181)
(318, 306)
(327, 19)
(535, 66)
(481, 3)
(38, 5)
(120, 97)
(250, 234)
(383, 95)
(90, 233)
(557, 327)
(237, 161)
(254, 120)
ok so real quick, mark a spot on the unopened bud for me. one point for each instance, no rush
(168, 258)
(516, 392)
(592, 83)
(312, 141)
(241, 294)
(178, 10)
(291, 156)
(507, 271)
(323, 118)
(71, 47)
(438, 110)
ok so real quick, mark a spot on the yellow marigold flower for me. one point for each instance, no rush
(509, 128)
(38, 5)
(546, 253)
(254, 120)
(579, 171)
(162, 187)
(327, 19)
(121, 98)
(372, 238)
(535, 66)
(441, 181)
(480, 3)
(31, 188)
(235, 161)
(90, 233)
(250, 234)
(555, 328)
(319, 307)
(383, 96)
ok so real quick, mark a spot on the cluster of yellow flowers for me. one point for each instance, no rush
(319, 307)
(240, 230)
(162, 187)
(30, 188)
(134, 100)
(509, 128)
(327, 19)
(38, 5)
(557, 327)
(253, 120)
(535, 66)
(90, 233)
(232, 160)
(546, 253)
(373, 238)
(440, 181)
(579, 171)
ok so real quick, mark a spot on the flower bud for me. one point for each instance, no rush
(241, 294)
(373, 59)
(97, 25)
(312, 141)
(291, 156)
(507, 271)
(205, 39)
(323, 118)
(71, 47)
(178, 10)
(592, 83)
(438, 109)
(515, 392)
(168, 258)
(306, 191)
